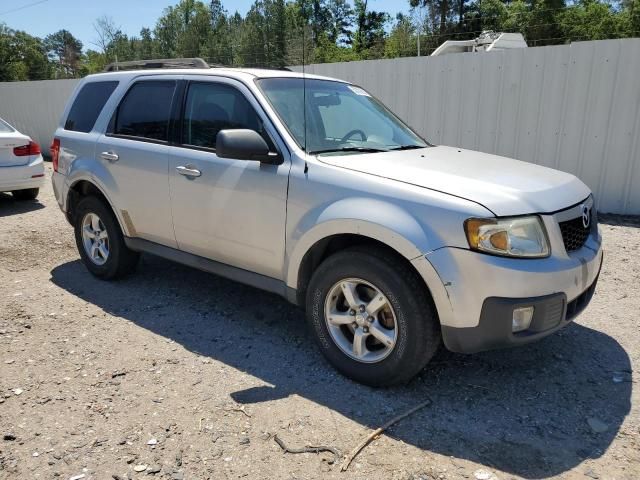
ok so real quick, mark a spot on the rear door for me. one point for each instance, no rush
(10, 139)
(135, 151)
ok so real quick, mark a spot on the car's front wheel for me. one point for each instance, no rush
(372, 316)
(100, 241)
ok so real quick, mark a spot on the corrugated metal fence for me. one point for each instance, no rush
(572, 107)
(35, 108)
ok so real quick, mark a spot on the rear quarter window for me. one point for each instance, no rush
(5, 127)
(88, 104)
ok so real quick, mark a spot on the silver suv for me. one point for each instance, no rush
(310, 188)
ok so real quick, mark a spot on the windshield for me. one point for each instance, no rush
(339, 117)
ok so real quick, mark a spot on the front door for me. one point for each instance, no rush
(230, 211)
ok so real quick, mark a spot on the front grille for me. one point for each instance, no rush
(574, 234)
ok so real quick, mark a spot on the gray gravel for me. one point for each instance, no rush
(173, 373)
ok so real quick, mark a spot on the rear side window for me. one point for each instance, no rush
(5, 127)
(145, 110)
(87, 106)
(211, 107)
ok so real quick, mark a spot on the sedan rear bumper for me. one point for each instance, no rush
(22, 177)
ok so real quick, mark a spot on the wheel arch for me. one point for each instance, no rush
(335, 234)
(82, 187)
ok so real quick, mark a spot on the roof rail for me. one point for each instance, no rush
(157, 63)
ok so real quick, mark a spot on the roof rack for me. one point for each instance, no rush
(157, 63)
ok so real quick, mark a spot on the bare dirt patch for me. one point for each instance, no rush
(173, 373)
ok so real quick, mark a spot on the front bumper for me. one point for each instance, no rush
(475, 293)
(494, 330)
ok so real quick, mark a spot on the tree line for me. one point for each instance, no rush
(276, 33)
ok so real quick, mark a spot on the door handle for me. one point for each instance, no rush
(110, 156)
(188, 171)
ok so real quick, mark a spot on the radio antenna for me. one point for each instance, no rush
(304, 84)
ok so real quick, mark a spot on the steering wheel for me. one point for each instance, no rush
(352, 133)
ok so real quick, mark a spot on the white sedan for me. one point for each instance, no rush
(21, 166)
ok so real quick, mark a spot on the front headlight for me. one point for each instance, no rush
(511, 237)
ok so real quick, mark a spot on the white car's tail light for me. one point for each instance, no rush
(32, 148)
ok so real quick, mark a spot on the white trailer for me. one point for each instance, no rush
(486, 42)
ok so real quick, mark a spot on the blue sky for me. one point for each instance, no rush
(77, 16)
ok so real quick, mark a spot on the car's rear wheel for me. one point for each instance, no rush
(100, 241)
(372, 316)
(26, 194)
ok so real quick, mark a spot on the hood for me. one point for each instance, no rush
(503, 185)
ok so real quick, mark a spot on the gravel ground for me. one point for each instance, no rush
(181, 374)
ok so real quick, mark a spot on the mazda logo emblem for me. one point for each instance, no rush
(586, 216)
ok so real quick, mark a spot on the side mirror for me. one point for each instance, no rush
(243, 144)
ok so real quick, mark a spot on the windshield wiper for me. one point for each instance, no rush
(408, 147)
(349, 149)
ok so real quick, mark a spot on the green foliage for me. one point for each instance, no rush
(402, 42)
(275, 33)
(65, 53)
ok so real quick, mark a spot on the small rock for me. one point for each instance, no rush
(77, 477)
(17, 391)
(482, 474)
(9, 437)
(228, 459)
(245, 441)
(9, 362)
(152, 442)
(152, 470)
(591, 474)
(621, 377)
(140, 468)
(35, 454)
(597, 426)
(179, 475)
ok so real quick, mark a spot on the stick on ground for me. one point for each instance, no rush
(349, 458)
(285, 449)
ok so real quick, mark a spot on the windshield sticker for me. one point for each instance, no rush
(358, 91)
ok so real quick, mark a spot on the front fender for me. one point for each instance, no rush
(368, 217)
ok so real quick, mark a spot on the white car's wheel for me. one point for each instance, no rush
(26, 194)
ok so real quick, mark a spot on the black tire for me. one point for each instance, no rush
(26, 194)
(418, 336)
(121, 260)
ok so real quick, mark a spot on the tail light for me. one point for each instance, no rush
(55, 153)
(31, 149)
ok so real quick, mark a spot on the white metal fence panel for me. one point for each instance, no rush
(572, 107)
(35, 108)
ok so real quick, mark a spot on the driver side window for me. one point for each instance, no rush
(211, 107)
